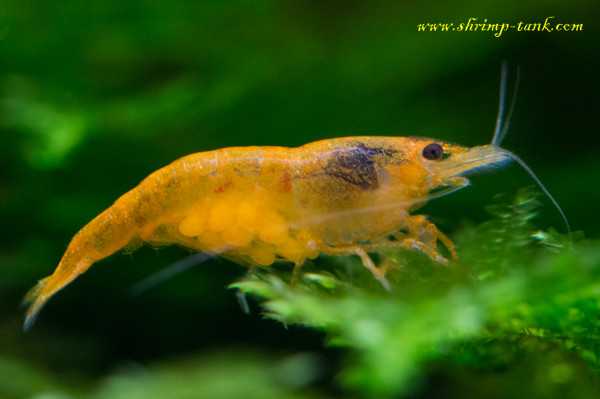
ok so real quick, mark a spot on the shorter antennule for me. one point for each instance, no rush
(502, 129)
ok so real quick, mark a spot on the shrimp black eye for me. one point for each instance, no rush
(433, 152)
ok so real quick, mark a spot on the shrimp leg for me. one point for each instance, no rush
(368, 263)
(422, 235)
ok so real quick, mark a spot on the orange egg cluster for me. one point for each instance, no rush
(249, 225)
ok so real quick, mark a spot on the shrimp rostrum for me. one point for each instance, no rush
(259, 205)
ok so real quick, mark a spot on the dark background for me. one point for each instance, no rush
(94, 96)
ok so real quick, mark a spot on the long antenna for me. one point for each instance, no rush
(516, 158)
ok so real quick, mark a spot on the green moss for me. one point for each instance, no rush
(515, 290)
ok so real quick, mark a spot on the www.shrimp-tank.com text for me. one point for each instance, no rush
(497, 29)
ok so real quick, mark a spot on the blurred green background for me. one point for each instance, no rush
(96, 95)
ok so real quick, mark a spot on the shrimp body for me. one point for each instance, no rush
(258, 205)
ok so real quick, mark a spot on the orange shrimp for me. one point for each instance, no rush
(258, 205)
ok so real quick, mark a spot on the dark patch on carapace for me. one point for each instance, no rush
(356, 166)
